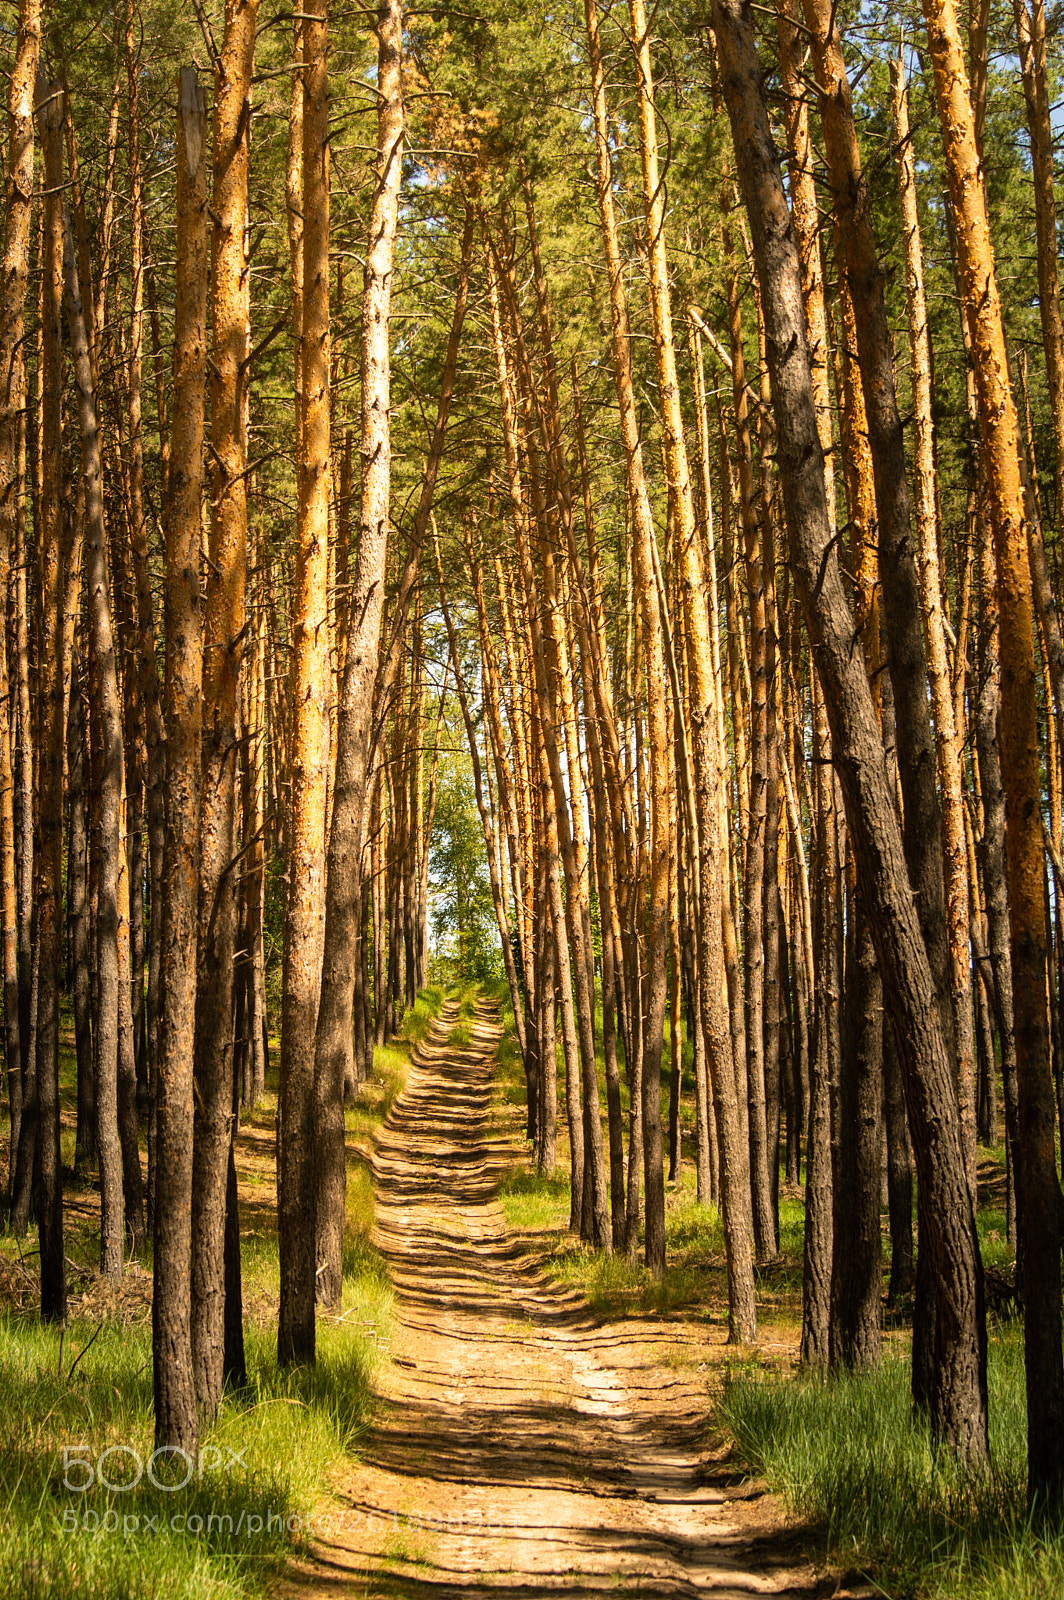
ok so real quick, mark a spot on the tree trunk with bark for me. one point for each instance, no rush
(343, 895)
(106, 834)
(147, 665)
(949, 756)
(174, 1386)
(53, 550)
(958, 1401)
(13, 279)
(308, 699)
(224, 630)
(1038, 1188)
(78, 915)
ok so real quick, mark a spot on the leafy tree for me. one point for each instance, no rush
(464, 929)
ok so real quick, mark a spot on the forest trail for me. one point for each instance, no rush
(518, 1445)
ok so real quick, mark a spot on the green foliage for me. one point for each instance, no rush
(465, 932)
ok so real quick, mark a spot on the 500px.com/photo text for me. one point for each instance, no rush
(337, 1523)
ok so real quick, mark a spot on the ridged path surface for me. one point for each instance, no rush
(519, 1447)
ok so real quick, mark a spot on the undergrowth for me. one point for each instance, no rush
(83, 1517)
(419, 1017)
(850, 1456)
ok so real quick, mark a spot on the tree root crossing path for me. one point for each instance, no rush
(519, 1446)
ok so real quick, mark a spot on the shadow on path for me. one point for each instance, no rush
(519, 1446)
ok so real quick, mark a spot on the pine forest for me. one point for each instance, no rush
(532, 797)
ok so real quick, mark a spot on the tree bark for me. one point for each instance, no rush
(106, 713)
(174, 1385)
(958, 1402)
(949, 757)
(79, 917)
(224, 629)
(1038, 1187)
(148, 670)
(308, 698)
(13, 278)
(1031, 38)
(756, 815)
(824, 1064)
(53, 549)
(856, 1265)
(343, 893)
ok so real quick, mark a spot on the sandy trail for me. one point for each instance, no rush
(518, 1445)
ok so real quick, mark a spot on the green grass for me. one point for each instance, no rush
(994, 1245)
(532, 1200)
(850, 1456)
(65, 1402)
(266, 1461)
(418, 1019)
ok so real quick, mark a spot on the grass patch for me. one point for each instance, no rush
(419, 1017)
(67, 1399)
(391, 1066)
(467, 998)
(850, 1456)
(83, 1517)
(615, 1286)
(532, 1200)
(994, 1246)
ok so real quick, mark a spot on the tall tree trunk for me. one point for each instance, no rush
(13, 279)
(343, 894)
(856, 1267)
(253, 810)
(224, 628)
(174, 1385)
(992, 857)
(958, 1401)
(106, 714)
(53, 549)
(1038, 1188)
(79, 915)
(680, 492)
(754, 860)
(304, 901)
(824, 1065)
(950, 762)
(1031, 38)
(899, 1175)
(148, 670)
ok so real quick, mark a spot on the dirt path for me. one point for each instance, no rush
(519, 1446)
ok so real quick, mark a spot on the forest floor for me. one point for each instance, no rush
(518, 1443)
